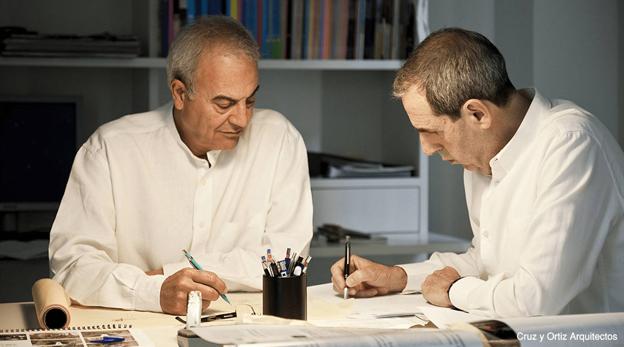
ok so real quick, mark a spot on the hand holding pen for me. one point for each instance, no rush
(346, 266)
(174, 290)
(366, 278)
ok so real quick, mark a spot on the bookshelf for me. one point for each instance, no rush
(341, 107)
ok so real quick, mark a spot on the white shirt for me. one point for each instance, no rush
(137, 196)
(548, 224)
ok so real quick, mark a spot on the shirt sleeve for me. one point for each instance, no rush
(83, 247)
(288, 223)
(573, 208)
(467, 264)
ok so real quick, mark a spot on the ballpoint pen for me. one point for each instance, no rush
(106, 339)
(347, 264)
(198, 267)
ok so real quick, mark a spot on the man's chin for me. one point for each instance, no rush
(228, 144)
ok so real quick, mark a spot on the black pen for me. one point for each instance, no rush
(347, 264)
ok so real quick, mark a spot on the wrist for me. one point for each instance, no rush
(448, 291)
(399, 277)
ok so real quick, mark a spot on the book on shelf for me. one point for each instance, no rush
(32, 44)
(333, 166)
(308, 29)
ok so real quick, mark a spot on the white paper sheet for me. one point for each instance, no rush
(368, 312)
(289, 335)
(444, 317)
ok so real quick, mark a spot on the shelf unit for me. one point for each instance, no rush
(340, 107)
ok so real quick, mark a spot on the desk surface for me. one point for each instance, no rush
(160, 328)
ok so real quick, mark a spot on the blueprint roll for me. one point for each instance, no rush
(51, 304)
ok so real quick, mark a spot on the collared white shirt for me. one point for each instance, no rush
(548, 224)
(137, 196)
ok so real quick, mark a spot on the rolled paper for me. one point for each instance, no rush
(51, 304)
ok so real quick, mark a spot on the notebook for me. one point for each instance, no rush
(113, 334)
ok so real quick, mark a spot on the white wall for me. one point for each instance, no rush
(621, 69)
(575, 54)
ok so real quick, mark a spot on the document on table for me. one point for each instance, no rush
(296, 335)
(397, 311)
(389, 311)
(444, 317)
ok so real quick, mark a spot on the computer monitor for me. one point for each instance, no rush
(37, 149)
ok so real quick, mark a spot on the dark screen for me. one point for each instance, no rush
(37, 148)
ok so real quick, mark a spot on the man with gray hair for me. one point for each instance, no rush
(544, 183)
(207, 173)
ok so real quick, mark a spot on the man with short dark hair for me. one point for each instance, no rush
(544, 183)
(208, 173)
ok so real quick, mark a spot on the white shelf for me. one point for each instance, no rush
(85, 62)
(382, 65)
(381, 182)
(160, 63)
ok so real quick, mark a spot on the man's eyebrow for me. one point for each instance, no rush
(254, 92)
(224, 98)
(232, 100)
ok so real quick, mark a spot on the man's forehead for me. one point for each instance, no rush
(226, 74)
(420, 113)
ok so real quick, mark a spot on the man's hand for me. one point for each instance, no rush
(436, 286)
(368, 278)
(155, 272)
(175, 289)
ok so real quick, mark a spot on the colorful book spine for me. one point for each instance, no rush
(190, 11)
(307, 29)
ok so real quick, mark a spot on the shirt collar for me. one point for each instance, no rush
(212, 156)
(504, 160)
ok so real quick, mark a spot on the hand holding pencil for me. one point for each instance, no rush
(174, 290)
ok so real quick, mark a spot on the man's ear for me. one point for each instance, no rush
(178, 94)
(477, 112)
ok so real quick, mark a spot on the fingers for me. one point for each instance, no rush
(338, 275)
(209, 279)
(449, 273)
(361, 276)
(175, 289)
(366, 293)
(208, 293)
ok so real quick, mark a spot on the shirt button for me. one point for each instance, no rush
(202, 225)
(203, 181)
(484, 233)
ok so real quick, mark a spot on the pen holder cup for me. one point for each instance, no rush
(285, 297)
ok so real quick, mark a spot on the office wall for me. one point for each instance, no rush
(575, 54)
(621, 70)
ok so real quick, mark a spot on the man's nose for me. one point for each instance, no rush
(428, 147)
(240, 115)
